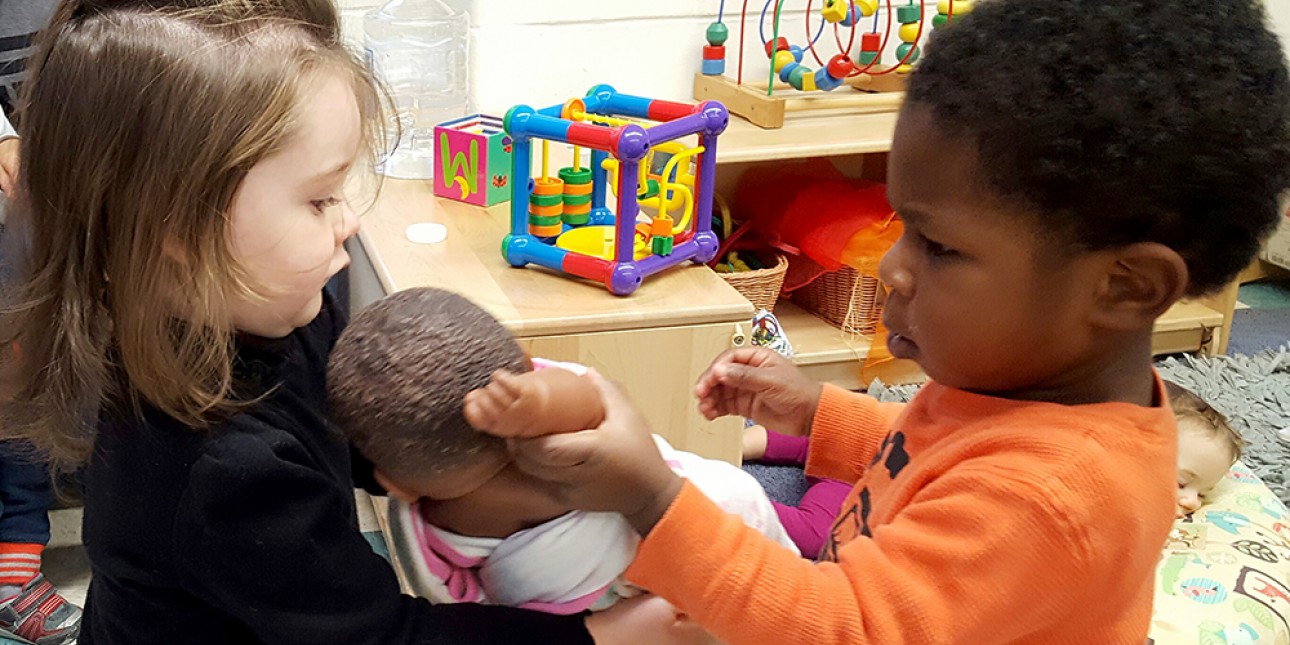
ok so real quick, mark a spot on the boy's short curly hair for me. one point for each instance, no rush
(399, 372)
(1123, 121)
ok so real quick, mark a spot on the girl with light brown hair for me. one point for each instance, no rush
(181, 210)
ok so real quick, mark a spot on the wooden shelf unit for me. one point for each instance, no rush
(827, 354)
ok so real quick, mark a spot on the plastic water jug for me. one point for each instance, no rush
(419, 49)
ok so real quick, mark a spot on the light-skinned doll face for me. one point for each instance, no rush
(1203, 461)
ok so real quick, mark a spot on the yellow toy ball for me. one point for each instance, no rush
(909, 32)
(783, 58)
(961, 7)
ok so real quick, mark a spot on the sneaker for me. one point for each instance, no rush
(39, 616)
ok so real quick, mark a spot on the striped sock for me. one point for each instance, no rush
(19, 563)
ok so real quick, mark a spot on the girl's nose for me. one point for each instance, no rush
(347, 226)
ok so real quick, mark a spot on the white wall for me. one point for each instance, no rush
(1279, 10)
(543, 52)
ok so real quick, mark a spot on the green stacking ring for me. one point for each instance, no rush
(546, 200)
(576, 177)
(544, 220)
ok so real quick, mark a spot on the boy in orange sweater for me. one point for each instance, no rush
(1065, 172)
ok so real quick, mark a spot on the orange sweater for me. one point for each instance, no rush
(973, 520)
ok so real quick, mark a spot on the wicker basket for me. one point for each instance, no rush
(760, 286)
(845, 298)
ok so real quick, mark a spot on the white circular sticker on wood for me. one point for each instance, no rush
(427, 233)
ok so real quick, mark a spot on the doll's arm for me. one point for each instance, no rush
(533, 404)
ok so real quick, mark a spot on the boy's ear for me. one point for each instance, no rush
(392, 487)
(1141, 282)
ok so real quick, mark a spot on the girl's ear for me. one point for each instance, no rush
(394, 488)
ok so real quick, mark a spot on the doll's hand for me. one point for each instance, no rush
(8, 166)
(507, 407)
(758, 383)
(532, 404)
(645, 620)
(613, 467)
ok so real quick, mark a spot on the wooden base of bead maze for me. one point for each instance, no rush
(874, 94)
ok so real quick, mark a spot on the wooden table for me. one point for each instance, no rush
(655, 342)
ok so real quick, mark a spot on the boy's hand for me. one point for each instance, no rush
(645, 620)
(614, 467)
(758, 383)
(8, 166)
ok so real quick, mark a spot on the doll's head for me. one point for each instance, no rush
(396, 381)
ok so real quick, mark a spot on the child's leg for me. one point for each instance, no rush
(808, 524)
(30, 607)
(784, 450)
(25, 496)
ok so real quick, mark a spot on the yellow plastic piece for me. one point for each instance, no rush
(909, 32)
(834, 10)
(905, 69)
(546, 157)
(597, 241)
(783, 58)
(675, 196)
(808, 83)
(724, 209)
(577, 114)
(867, 7)
(572, 107)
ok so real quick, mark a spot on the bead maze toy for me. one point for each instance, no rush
(663, 188)
(758, 102)
(472, 160)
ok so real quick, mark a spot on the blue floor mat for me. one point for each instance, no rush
(1254, 330)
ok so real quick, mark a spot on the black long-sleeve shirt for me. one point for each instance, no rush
(247, 532)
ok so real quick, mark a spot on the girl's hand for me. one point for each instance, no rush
(645, 620)
(758, 383)
(613, 467)
(8, 166)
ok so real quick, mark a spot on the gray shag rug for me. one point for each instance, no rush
(1252, 391)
